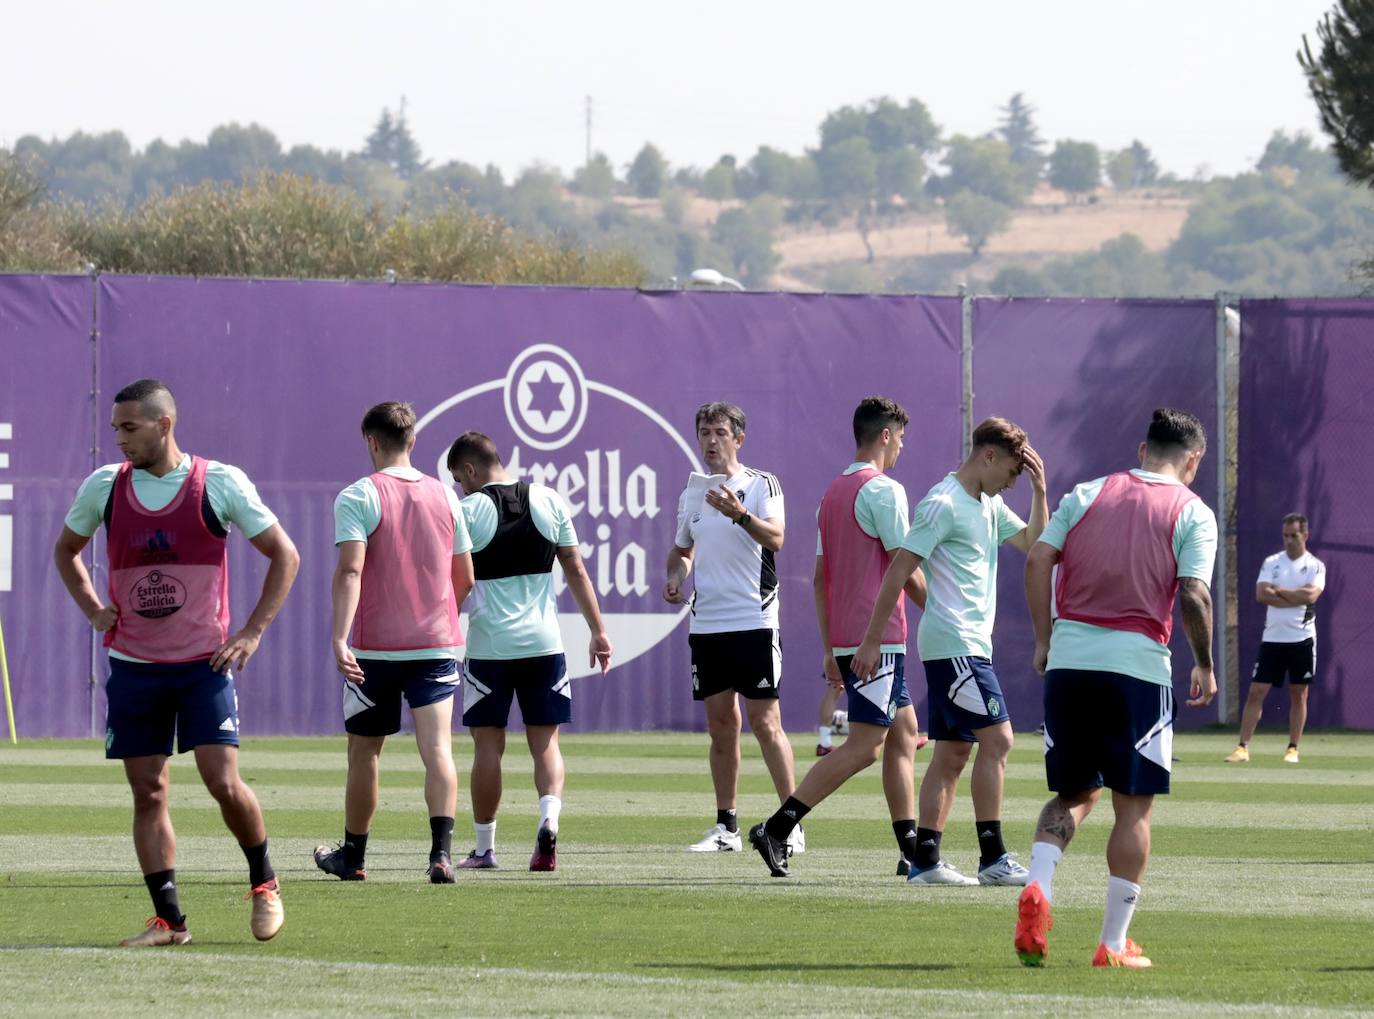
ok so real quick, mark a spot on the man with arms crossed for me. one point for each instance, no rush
(862, 520)
(515, 648)
(403, 567)
(733, 635)
(1290, 582)
(167, 516)
(955, 533)
(1125, 545)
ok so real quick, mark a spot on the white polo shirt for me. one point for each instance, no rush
(1299, 623)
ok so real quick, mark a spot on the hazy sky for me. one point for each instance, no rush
(1202, 82)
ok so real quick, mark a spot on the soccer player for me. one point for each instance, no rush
(172, 656)
(955, 533)
(862, 520)
(1125, 545)
(403, 567)
(1290, 582)
(515, 649)
(733, 636)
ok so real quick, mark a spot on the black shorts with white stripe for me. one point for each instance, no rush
(746, 661)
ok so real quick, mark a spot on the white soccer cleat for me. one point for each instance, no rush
(796, 842)
(940, 874)
(718, 839)
(1004, 871)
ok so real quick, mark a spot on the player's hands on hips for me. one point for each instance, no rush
(347, 664)
(1203, 687)
(831, 668)
(104, 618)
(1042, 657)
(725, 501)
(672, 592)
(599, 652)
(1034, 466)
(235, 652)
(866, 659)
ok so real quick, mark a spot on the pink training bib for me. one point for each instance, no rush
(854, 564)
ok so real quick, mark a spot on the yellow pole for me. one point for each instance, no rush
(5, 678)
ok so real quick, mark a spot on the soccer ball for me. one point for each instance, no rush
(839, 722)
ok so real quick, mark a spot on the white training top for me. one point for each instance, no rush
(1296, 624)
(736, 585)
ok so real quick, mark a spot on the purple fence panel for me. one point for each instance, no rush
(45, 452)
(1082, 377)
(1306, 414)
(591, 391)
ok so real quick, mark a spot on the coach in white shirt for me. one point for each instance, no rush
(731, 540)
(1290, 582)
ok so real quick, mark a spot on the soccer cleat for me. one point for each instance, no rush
(1240, 755)
(796, 842)
(487, 861)
(1290, 756)
(1130, 957)
(158, 931)
(903, 866)
(545, 850)
(331, 861)
(774, 853)
(440, 869)
(718, 839)
(939, 873)
(268, 915)
(1033, 924)
(822, 750)
(1004, 871)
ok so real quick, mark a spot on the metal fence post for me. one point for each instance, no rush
(93, 549)
(1221, 594)
(966, 372)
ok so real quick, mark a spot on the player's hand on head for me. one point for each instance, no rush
(104, 618)
(831, 670)
(235, 652)
(348, 665)
(599, 652)
(1203, 687)
(1034, 466)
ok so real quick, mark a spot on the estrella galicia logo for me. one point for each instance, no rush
(616, 462)
(157, 594)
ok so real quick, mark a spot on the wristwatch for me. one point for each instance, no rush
(744, 518)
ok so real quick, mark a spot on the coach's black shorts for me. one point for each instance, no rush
(746, 661)
(373, 708)
(1297, 662)
(1106, 729)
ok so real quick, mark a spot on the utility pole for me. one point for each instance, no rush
(588, 160)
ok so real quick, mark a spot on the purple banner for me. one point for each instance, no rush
(46, 408)
(1082, 377)
(1306, 415)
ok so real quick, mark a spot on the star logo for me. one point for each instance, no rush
(546, 395)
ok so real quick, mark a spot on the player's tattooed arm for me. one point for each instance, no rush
(1195, 602)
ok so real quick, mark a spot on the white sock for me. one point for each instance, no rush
(486, 836)
(549, 809)
(1044, 858)
(824, 733)
(1121, 899)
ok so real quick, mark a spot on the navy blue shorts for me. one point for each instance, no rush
(1106, 729)
(146, 704)
(964, 697)
(540, 684)
(876, 701)
(373, 708)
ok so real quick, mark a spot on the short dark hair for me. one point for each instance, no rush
(1296, 518)
(473, 447)
(1173, 433)
(150, 394)
(873, 414)
(721, 411)
(392, 424)
(1006, 435)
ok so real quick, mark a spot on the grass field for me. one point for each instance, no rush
(1259, 898)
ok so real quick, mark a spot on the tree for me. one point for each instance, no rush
(1075, 167)
(1017, 129)
(976, 218)
(647, 174)
(1121, 169)
(984, 167)
(1146, 169)
(1341, 79)
(848, 170)
(902, 173)
(747, 235)
(1297, 153)
(597, 178)
(719, 182)
(392, 143)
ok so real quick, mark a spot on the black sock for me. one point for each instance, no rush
(162, 886)
(927, 847)
(789, 815)
(354, 849)
(1292, 746)
(906, 838)
(259, 866)
(990, 847)
(728, 818)
(440, 836)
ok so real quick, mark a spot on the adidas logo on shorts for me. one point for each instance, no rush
(228, 726)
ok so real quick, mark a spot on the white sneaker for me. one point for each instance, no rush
(1004, 871)
(718, 839)
(940, 874)
(796, 842)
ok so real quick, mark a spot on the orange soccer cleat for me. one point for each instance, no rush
(1130, 957)
(1033, 924)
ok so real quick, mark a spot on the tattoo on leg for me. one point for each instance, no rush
(1057, 820)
